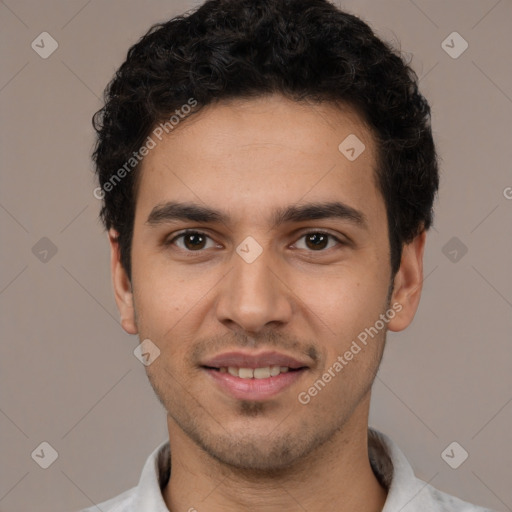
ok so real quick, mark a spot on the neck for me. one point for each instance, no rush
(337, 472)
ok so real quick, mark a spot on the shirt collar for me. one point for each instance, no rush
(153, 479)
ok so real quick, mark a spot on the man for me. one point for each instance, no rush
(268, 173)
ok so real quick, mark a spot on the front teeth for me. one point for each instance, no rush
(256, 373)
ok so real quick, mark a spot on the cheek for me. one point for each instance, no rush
(344, 306)
(168, 297)
(161, 303)
(351, 294)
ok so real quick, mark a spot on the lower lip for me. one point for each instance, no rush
(254, 389)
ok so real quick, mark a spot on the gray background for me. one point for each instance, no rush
(69, 376)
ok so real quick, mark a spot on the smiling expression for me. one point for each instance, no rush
(258, 245)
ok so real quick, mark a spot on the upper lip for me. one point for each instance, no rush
(251, 360)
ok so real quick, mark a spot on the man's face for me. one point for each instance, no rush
(210, 300)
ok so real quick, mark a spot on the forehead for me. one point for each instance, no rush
(247, 156)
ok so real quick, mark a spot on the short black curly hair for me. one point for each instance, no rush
(306, 50)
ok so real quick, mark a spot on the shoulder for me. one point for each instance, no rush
(406, 492)
(147, 494)
(123, 502)
(444, 502)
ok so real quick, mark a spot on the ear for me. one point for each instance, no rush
(408, 283)
(122, 286)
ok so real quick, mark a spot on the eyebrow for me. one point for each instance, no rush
(176, 211)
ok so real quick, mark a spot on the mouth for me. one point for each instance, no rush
(254, 377)
(264, 372)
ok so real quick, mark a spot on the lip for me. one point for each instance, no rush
(254, 389)
(251, 360)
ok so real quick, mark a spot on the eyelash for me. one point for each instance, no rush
(194, 232)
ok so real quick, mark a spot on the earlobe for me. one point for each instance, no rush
(408, 283)
(122, 286)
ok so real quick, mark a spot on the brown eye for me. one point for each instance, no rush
(192, 241)
(318, 241)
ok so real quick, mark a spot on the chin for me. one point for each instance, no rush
(260, 452)
(254, 457)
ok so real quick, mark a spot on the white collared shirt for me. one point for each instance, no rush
(406, 493)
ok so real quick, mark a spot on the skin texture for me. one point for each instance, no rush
(247, 158)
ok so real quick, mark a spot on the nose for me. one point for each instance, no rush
(254, 296)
